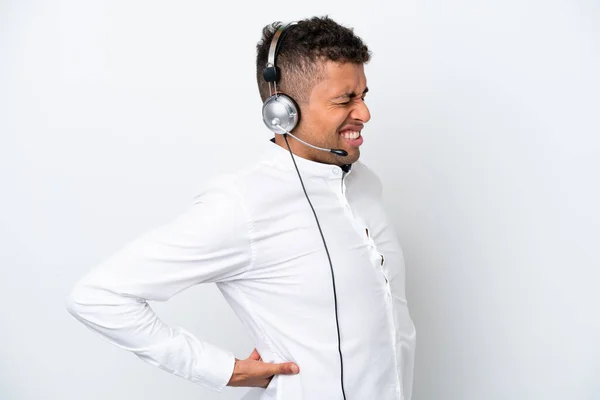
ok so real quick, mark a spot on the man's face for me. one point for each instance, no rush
(335, 114)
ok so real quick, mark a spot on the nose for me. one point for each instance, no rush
(361, 112)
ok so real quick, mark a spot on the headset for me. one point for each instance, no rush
(280, 112)
(281, 115)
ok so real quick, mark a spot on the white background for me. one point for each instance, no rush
(484, 131)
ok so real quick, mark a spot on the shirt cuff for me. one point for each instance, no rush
(215, 366)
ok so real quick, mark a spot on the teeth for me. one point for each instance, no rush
(351, 135)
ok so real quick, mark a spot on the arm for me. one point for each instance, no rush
(404, 327)
(208, 243)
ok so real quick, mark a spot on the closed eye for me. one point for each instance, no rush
(351, 96)
(345, 103)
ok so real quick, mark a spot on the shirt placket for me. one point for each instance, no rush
(377, 258)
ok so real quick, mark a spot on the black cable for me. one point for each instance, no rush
(337, 323)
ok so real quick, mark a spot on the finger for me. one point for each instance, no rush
(255, 355)
(283, 369)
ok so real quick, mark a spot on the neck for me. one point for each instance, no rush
(299, 149)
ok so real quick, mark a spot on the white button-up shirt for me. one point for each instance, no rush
(254, 235)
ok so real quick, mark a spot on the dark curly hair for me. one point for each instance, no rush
(303, 51)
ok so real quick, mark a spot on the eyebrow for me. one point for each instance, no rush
(351, 95)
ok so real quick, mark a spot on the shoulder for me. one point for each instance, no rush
(232, 188)
(221, 188)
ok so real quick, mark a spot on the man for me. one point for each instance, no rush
(298, 244)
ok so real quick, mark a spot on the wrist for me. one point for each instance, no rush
(233, 372)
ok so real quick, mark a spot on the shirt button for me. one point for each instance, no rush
(336, 171)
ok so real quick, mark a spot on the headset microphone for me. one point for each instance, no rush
(338, 152)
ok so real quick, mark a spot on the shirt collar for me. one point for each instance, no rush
(307, 167)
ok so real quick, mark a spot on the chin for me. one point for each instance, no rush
(352, 157)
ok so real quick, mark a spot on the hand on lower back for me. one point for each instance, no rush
(253, 372)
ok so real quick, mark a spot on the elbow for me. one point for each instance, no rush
(73, 304)
(76, 303)
(91, 302)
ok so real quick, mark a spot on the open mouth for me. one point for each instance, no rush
(353, 138)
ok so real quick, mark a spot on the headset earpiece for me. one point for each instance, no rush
(280, 112)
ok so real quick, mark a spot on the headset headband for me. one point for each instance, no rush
(271, 72)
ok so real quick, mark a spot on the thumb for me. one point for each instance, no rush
(284, 369)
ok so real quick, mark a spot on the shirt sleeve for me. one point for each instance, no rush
(405, 329)
(208, 243)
